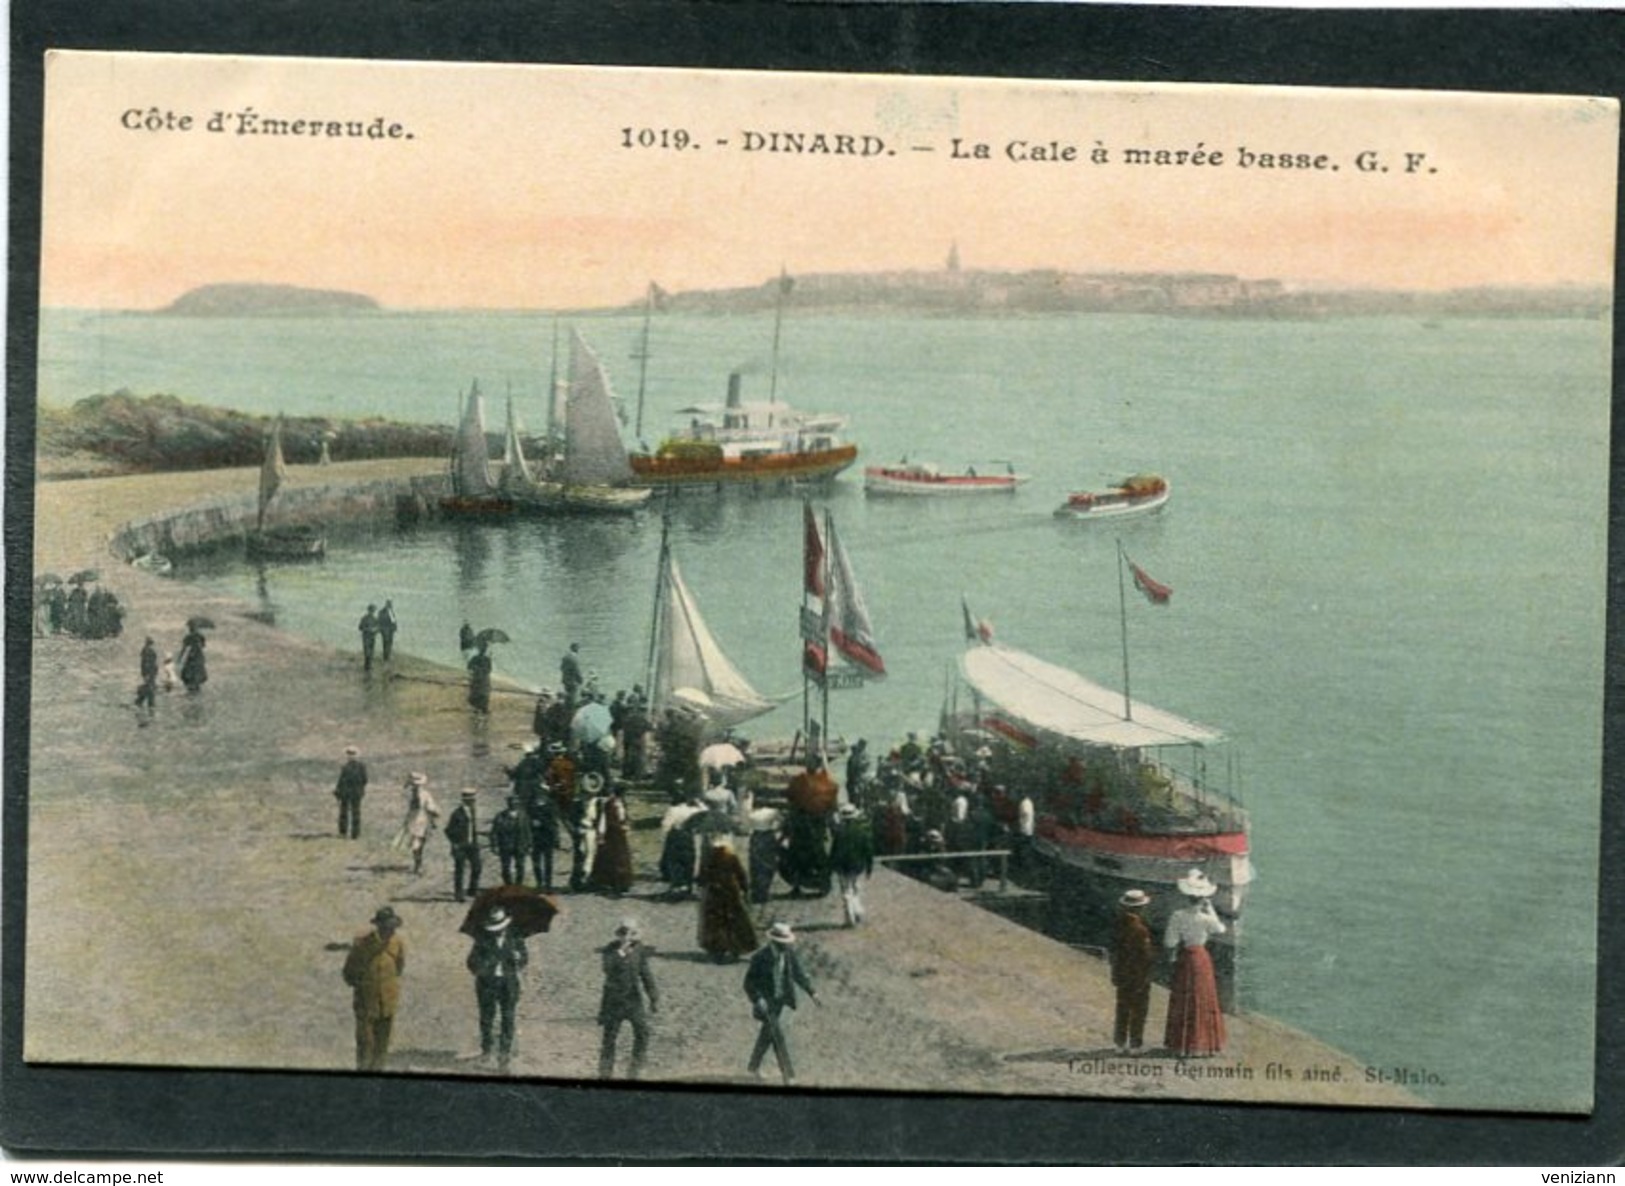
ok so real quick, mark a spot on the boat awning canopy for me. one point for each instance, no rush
(1053, 700)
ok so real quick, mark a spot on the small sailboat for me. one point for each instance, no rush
(686, 665)
(593, 473)
(304, 542)
(516, 472)
(473, 492)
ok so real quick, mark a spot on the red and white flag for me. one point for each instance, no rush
(1155, 591)
(812, 552)
(976, 629)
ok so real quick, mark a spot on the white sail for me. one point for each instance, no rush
(850, 630)
(594, 454)
(689, 667)
(273, 470)
(515, 470)
(471, 464)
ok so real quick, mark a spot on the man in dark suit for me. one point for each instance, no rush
(628, 982)
(388, 624)
(770, 983)
(496, 960)
(369, 635)
(1134, 955)
(462, 830)
(352, 785)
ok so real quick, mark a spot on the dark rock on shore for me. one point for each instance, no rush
(126, 433)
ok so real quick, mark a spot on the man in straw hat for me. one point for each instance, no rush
(462, 831)
(1134, 956)
(852, 856)
(629, 983)
(496, 959)
(352, 785)
(770, 983)
(372, 970)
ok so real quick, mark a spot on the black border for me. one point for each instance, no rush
(172, 1115)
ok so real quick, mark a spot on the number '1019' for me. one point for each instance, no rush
(655, 138)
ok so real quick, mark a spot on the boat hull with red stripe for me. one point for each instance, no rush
(928, 481)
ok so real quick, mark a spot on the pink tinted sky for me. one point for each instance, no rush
(514, 189)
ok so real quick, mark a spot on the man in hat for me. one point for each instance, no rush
(496, 960)
(629, 983)
(146, 693)
(511, 841)
(770, 983)
(351, 786)
(479, 677)
(372, 970)
(852, 856)
(369, 635)
(462, 830)
(1133, 956)
(585, 811)
(570, 673)
(544, 838)
(388, 623)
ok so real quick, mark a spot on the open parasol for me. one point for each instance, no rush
(200, 623)
(721, 756)
(489, 635)
(84, 576)
(591, 723)
(46, 579)
(812, 791)
(532, 911)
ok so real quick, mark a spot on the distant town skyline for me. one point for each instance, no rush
(495, 187)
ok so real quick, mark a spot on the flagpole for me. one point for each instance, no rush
(778, 322)
(806, 694)
(643, 357)
(660, 601)
(1122, 610)
(829, 578)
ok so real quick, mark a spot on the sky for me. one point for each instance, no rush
(530, 187)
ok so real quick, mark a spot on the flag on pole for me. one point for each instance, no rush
(812, 552)
(1155, 591)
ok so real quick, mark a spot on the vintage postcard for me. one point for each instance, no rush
(889, 584)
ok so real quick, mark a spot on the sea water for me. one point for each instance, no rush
(1386, 542)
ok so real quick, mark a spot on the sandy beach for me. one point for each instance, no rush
(203, 850)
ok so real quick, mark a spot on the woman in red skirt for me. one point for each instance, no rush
(1195, 1026)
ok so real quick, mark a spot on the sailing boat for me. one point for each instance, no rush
(592, 474)
(516, 473)
(472, 490)
(280, 543)
(686, 666)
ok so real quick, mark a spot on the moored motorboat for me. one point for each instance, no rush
(747, 444)
(1140, 494)
(923, 478)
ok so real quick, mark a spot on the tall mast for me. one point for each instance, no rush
(778, 323)
(659, 608)
(553, 389)
(642, 356)
(1122, 611)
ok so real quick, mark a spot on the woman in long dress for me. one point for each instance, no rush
(726, 930)
(1195, 1027)
(612, 863)
(194, 668)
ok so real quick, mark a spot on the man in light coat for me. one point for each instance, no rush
(372, 970)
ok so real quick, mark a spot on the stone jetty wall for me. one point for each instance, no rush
(228, 520)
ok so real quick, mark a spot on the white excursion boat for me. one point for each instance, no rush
(924, 478)
(1141, 494)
